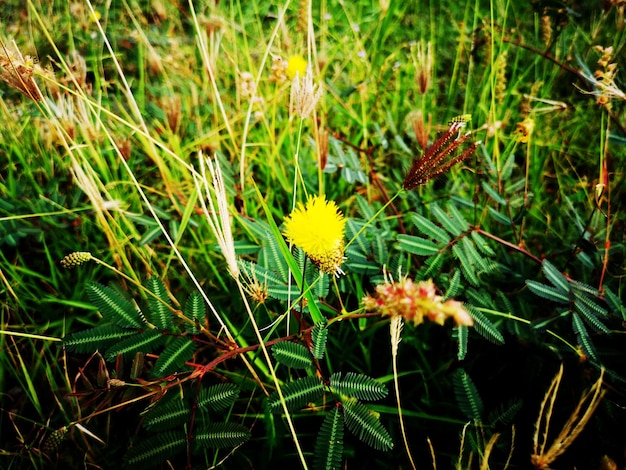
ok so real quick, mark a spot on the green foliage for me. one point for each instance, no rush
(292, 355)
(297, 393)
(329, 442)
(357, 386)
(525, 232)
(113, 307)
(361, 422)
(222, 435)
(100, 337)
(319, 336)
(174, 356)
(153, 450)
(160, 314)
(467, 396)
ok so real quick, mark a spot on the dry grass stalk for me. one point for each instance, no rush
(542, 458)
(18, 71)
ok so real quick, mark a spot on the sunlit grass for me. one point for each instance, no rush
(111, 160)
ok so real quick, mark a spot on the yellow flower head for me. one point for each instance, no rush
(318, 229)
(296, 65)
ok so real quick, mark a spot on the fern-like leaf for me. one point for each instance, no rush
(482, 244)
(166, 414)
(114, 307)
(100, 337)
(462, 332)
(297, 393)
(292, 355)
(503, 415)
(274, 259)
(218, 397)
(174, 356)
(447, 222)
(555, 276)
(582, 335)
(358, 386)
(362, 422)
(329, 443)
(547, 292)
(319, 336)
(222, 435)
(457, 217)
(467, 396)
(195, 310)
(417, 245)
(428, 228)
(159, 313)
(467, 267)
(484, 327)
(147, 341)
(455, 285)
(155, 449)
(583, 299)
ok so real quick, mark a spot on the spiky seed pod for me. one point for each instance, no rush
(75, 259)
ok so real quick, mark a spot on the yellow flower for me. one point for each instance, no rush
(318, 229)
(524, 130)
(296, 65)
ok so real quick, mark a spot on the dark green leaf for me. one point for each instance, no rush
(365, 425)
(358, 386)
(292, 355)
(114, 307)
(417, 245)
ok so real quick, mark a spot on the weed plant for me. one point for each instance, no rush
(312, 234)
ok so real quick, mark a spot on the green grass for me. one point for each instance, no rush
(108, 163)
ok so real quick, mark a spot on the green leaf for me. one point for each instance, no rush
(503, 415)
(145, 342)
(149, 453)
(466, 265)
(417, 245)
(582, 336)
(590, 315)
(219, 396)
(159, 313)
(100, 337)
(462, 332)
(582, 299)
(482, 244)
(555, 277)
(365, 425)
(174, 356)
(297, 393)
(167, 414)
(195, 310)
(292, 355)
(114, 307)
(358, 386)
(353, 227)
(475, 258)
(329, 443)
(222, 435)
(547, 292)
(454, 286)
(430, 229)
(446, 221)
(457, 217)
(484, 327)
(319, 336)
(467, 396)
